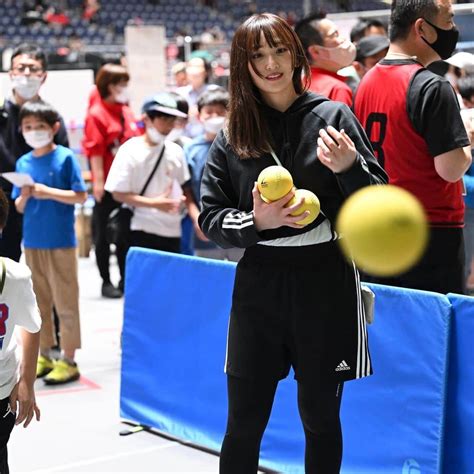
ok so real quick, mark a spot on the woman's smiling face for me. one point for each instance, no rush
(271, 68)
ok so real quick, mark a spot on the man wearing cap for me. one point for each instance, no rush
(459, 65)
(462, 60)
(156, 222)
(370, 50)
(413, 121)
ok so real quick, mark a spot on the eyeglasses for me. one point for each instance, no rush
(21, 69)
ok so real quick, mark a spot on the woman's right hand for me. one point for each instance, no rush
(275, 214)
(98, 190)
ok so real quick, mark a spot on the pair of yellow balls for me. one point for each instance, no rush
(275, 182)
(382, 228)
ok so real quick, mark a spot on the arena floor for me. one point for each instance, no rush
(80, 422)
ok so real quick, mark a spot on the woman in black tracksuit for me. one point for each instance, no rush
(296, 301)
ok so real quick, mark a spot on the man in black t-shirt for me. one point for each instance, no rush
(413, 121)
(27, 74)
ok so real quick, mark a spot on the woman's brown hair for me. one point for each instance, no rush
(247, 131)
(110, 74)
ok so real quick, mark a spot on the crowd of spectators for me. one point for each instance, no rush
(56, 12)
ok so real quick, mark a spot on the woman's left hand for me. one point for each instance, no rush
(336, 150)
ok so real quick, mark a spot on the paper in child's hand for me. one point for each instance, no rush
(18, 179)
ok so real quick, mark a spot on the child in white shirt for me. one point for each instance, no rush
(17, 366)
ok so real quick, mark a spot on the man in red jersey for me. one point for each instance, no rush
(327, 52)
(412, 119)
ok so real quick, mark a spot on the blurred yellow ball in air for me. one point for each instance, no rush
(274, 182)
(310, 203)
(384, 230)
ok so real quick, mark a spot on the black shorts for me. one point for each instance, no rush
(300, 307)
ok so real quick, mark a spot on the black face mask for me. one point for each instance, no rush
(446, 41)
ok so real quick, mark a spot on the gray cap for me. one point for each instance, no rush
(164, 103)
(370, 45)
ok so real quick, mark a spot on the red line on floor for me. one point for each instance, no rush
(89, 383)
(83, 385)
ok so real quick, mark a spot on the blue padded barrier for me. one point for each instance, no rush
(393, 422)
(459, 437)
(176, 312)
(173, 346)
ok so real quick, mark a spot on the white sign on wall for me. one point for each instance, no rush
(145, 48)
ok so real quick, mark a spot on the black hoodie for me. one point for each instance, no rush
(226, 188)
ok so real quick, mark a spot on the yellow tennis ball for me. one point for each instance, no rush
(384, 230)
(274, 182)
(310, 203)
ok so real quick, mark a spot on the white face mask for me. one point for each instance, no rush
(38, 138)
(123, 96)
(342, 55)
(26, 86)
(214, 124)
(154, 135)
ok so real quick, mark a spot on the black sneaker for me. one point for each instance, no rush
(109, 291)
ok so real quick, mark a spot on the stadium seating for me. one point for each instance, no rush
(179, 16)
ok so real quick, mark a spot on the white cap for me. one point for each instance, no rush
(461, 60)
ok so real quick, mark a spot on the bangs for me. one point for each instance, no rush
(275, 31)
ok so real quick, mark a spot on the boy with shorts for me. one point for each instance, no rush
(48, 236)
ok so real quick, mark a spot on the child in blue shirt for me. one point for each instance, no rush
(212, 108)
(48, 236)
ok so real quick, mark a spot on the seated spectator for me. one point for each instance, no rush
(370, 50)
(91, 7)
(56, 16)
(73, 52)
(33, 12)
